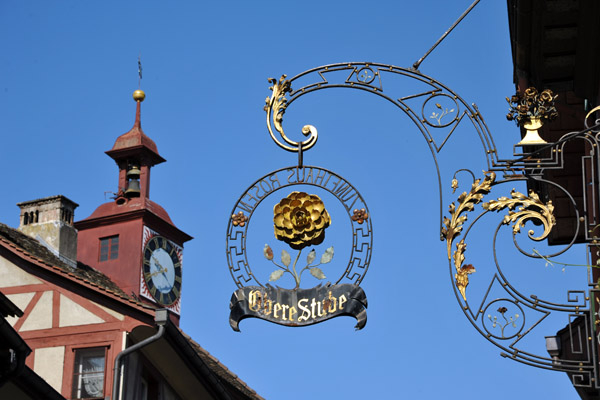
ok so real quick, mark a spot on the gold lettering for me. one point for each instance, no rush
(341, 301)
(283, 308)
(332, 303)
(292, 313)
(255, 300)
(266, 301)
(320, 312)
(312, 307)
(305, 311)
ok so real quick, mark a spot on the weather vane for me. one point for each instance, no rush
(300, 220)
(140, 70)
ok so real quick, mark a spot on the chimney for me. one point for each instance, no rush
(50, 221)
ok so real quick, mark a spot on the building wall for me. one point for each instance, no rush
(125, 270)
(57, 320)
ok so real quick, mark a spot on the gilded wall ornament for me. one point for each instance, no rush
(521, 208)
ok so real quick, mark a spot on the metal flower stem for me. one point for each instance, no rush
(307, 267)
(562, 263)
(296, 276)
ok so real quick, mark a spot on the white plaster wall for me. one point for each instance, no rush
(49, 364)
(41, 315)
(11, 275)
(115, 314)
(21, 300)
(72, 314)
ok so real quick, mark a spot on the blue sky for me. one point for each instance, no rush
(66, 77)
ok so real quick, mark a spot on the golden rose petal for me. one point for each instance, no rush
(278, 220)
(319, 239)
(320, 223)
(315, 215)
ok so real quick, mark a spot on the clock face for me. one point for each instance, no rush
(162, 270)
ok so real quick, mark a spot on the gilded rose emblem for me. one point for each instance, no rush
(300, 220)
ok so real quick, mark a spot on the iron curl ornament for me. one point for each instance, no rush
(275, 108)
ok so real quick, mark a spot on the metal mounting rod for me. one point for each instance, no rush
(418, 63)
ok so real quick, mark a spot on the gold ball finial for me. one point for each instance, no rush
(139, 95)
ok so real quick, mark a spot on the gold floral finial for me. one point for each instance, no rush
(532, 105)
(300, 220)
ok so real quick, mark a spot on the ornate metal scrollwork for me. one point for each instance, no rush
(435, 110)
(275, 108)
(505, 314)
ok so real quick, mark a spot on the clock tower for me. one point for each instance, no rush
(132, 239)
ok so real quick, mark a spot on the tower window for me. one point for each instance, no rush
(88, 373)
(109, 248)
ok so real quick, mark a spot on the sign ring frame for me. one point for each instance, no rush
(344, 191)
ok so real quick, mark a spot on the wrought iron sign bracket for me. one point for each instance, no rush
(504, 315)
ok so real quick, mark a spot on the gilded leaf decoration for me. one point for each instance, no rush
(454, 225)
(521, 208)
(466, 202)
(527, 208)
(277, 101)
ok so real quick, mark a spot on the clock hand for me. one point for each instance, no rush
(163, 270)
(165, 275)
(156, 262)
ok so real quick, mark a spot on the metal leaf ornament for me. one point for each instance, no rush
(453, 227)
